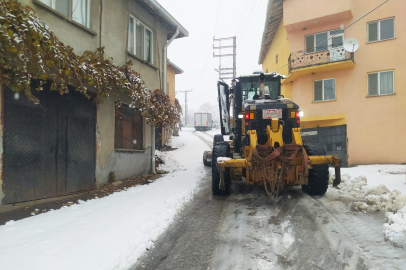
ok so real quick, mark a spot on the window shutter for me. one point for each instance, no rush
(386, 82)
(373, 84)
(387, 29)
(309, 44)
(372, 31)
(318, 90)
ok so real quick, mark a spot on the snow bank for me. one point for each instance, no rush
(110, 232)
(378, 198)
(395, 228)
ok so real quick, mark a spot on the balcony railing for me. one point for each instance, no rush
(301, 59)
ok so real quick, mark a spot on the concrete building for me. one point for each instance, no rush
(73, 144)
(353, 102)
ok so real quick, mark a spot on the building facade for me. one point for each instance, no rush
(352, 101)
(71, 144)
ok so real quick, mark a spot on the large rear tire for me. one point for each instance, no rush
(221, 149)
(318, 175)
(217, 138)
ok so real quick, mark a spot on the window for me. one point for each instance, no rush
(140, 40)
(128, 128)
(77, 10)
(317, 42)
(324, 90)
(380, 83)
(381, 30)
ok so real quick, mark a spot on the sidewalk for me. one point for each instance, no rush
(22, 210)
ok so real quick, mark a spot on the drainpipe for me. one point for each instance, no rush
(165, 91)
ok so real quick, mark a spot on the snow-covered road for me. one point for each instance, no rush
(247, 230)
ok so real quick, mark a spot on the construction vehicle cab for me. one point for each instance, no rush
(265, 145)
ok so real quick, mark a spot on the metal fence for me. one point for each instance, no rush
(301, 59)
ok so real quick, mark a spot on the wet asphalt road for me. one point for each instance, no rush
(249, 230)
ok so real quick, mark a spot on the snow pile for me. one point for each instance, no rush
(378, 198)
(372, 198)
(106, 233)
(395, 228)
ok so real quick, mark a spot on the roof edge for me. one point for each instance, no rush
(272, 13)
(167, 17)
(177, 69)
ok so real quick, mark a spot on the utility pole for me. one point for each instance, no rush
(223, 74)
(186, 91)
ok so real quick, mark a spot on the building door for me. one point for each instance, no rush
(49, 148)
(333, 139)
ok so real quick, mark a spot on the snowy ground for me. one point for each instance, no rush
(378, 188)
(110, 232)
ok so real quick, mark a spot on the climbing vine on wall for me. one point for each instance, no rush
(29, 50)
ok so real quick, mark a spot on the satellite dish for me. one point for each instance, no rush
(351, 45)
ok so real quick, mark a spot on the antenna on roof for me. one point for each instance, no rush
(351, 45)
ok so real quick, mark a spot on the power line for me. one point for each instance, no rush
(215, 31)
(247, 21)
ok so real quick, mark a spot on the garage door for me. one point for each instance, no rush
(333, 139)
(49, 149)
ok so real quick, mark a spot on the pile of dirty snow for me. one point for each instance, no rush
(395, 228)
(377, 198)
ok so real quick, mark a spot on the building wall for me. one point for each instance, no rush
(373, 123)
(171, 83)
(280, 46)
(113, 36)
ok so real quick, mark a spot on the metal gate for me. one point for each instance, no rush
(333, 139)
(49, 149)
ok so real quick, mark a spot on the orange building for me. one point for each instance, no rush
(163, 134)
(353, 103)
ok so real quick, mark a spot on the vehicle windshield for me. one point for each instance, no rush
(250, 89)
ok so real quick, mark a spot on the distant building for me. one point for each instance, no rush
(353, 103)
(163, 134)
(68, 143)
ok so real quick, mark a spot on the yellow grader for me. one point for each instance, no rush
(265, 145)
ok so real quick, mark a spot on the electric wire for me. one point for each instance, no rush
(215, 31)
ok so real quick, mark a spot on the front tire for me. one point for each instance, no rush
(319, 174)
(221, 149)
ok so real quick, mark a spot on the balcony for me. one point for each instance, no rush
(302, 63)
